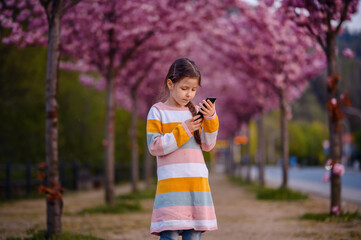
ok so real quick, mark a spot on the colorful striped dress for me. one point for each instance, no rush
(183, 198)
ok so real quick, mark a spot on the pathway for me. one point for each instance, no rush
(240, 216)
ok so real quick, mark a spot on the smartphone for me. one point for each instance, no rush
(213, 99)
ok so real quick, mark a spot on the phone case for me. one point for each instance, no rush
(213, 99)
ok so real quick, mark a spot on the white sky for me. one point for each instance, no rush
(355, 23)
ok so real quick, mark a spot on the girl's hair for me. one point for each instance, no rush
(182, 68)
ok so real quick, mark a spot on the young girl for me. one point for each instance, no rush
(183, 202)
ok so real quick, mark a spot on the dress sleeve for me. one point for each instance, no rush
(160, 144)
(209, 132)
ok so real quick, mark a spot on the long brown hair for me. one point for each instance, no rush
(181, 68)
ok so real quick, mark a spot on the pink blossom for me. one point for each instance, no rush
(326, 177)
(338, 169)
(348, 53)
(86, 80)
(335, 210)
(334, 101)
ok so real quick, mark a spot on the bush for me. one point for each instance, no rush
(306, 141)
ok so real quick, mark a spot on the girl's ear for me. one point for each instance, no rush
(170, 84)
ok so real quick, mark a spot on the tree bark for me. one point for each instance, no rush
(133, 135)
(110, 127)
(335, 144)
(53, 208)
(284, 139)
(230, 160)
(248, 152)
(260, 150)
(109, 143)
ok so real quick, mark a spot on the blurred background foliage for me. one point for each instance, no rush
(308, 126)
(82, 111)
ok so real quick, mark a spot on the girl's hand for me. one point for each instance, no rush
(194, 124)
(210, 110)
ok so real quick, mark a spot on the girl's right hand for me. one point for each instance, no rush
(194, 124)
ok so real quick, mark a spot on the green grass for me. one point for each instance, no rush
(139, 195)
(326, 217)
(41, 235)
(120, 206)
(125, 203)
(270, 194)
(280, 194)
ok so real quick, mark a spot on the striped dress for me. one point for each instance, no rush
(183, 198)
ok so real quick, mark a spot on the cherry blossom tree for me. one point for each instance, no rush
(275, 56)
(323, 20)
(292, 62)
(116, 32)
(39, 22)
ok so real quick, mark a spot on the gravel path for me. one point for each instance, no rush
(239, 214)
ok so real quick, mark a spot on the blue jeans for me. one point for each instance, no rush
(186, 235)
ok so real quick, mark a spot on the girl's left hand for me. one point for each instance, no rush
(210, 110)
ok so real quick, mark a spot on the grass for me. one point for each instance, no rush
(13, 199)
(125, 203)
(270, 194)
(280, 194)
(344, 217)
(41, 235)
(139, 195)
(118, 208)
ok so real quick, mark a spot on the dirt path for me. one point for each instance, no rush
(239, 214)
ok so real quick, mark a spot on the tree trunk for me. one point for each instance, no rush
(260, 151)
(53, 208)
(109, 143)
(133, 135)
(230, 160)
(284, 139)
(248, 152)
(335, 144)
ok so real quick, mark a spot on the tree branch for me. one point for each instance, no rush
(318, 37)
(343, 16)
(70, 5)
(137, 43)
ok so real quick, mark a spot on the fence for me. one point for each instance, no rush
(19, 180)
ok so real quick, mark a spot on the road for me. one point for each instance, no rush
(309, 180)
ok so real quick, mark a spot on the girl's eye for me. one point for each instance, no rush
(184, 88)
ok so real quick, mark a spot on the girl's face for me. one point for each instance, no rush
(183, 91)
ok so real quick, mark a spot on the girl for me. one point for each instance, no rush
(183, 202)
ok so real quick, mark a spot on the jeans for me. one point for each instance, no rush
(186, 235)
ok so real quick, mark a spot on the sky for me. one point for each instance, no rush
(354, 25)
